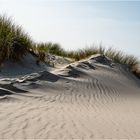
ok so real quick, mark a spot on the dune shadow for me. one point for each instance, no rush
(47, 76)
(102, 60)
(74, 72)
(4, 92)
(12, 88)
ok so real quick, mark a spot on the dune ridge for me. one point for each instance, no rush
(89, 99)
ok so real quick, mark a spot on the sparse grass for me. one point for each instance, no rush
(52, 48)
(57, 50)
(40, 50)
(130, 61)
(84, 53)
(14, 42)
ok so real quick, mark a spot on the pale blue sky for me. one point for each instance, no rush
(75, 24)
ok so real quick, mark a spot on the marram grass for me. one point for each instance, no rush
(15, 43)
(130, 61)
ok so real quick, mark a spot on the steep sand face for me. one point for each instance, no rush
(93, 98)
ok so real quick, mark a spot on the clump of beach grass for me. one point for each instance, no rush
(86, 52)
(14, 42)
(49, 48)
(40, 50)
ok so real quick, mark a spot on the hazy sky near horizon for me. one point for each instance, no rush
(76, 24)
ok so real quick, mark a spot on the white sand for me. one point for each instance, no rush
(90, 99)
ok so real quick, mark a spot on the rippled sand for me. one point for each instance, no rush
(93, 98)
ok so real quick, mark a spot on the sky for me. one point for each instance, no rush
(76, 24)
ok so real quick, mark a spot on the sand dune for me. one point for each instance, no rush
(92, 98)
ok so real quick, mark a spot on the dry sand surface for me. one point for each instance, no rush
(89, 99)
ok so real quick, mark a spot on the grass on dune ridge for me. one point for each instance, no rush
(15, 43)
(120, 57)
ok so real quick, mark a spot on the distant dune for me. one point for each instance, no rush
(91, 98)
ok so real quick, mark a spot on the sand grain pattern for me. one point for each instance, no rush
(93, 98)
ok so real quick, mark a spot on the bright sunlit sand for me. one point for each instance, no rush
(93, 98)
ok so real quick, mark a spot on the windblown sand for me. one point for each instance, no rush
(93, 98)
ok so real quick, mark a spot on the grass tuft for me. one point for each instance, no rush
(14, 42)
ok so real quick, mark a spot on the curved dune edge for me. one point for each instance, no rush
(92, 98)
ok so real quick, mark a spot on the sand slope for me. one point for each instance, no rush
(93, 98)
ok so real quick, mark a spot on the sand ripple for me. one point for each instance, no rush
(88, 99)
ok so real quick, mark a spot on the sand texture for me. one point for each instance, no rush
(90, 99)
